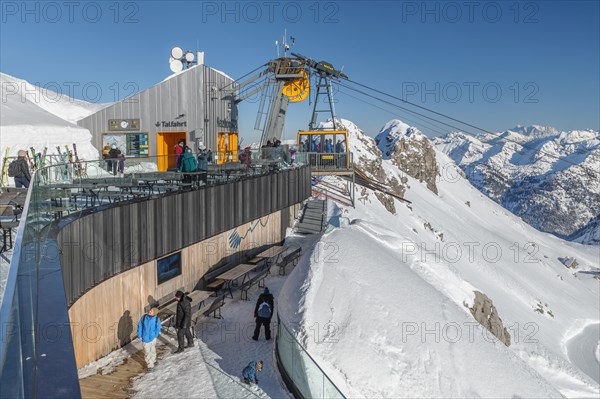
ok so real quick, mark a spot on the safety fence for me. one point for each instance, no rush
(300, 371)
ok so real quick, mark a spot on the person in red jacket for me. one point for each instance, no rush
(179, 151)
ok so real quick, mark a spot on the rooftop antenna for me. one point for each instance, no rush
(277, 46)
(179, 59)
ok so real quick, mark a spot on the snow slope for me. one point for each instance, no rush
(27, 120)
(389, 298)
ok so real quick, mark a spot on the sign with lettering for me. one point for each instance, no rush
(117, 125)
(170, 124)
(227, 124)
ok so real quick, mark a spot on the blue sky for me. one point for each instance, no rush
(493, 64)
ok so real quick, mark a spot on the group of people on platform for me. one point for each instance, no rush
(149, 328)
(115, 160)
(327, 147)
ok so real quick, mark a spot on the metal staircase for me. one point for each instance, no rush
(314, 217)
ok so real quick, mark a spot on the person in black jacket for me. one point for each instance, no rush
(113, 159)
(263, 312)
(183, 321)
(20, 170)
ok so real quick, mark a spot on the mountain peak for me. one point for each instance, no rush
(535, 131)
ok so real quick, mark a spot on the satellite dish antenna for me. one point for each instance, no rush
(176, 66)
(177, 53)
(189, 56)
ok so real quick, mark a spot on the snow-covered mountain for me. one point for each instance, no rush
(549, 178)
(408, 303)
(35, 117)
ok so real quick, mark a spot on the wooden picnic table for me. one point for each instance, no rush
(268, 254)
(233, 274)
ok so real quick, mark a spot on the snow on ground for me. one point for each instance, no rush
(582, 350)
(395, 289)
(224, 347)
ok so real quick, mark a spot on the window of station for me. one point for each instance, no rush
(168, 267)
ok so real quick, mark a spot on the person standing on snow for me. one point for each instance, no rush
(249, 372)
(183, 321)
(148, 330)
(263, 312)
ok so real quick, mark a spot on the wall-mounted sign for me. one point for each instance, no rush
(227, 124)
(170, 124)
(115, 125)
(132, 145)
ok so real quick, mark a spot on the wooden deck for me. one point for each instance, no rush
(118, 383)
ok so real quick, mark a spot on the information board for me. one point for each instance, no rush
(132, 145)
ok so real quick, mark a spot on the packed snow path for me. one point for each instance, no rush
(582, 351)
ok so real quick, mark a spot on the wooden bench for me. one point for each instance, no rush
(216, 284)
(290, 255)
(168, 311)
(259, 277)
(214, 308)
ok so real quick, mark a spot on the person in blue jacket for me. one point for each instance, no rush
(249, 372)
(148, 331)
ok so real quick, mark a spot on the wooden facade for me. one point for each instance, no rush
(106, 317)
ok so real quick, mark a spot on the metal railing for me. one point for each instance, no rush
(301, 373)
(36, 351)
(326, 161)
(63, 189)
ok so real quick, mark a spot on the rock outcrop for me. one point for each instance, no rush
(485, 313)
(410, 150)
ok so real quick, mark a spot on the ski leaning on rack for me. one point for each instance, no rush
(4, 178)
(64, 166)
(78, 167)
(43, 164)
(34, 159)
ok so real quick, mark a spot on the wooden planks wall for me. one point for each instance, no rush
(96, 246)
(106, 316)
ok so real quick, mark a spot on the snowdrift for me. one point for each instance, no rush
(30, 120)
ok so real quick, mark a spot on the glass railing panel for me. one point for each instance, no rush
(305, 374)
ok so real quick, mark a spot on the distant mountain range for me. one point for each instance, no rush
(551, 179)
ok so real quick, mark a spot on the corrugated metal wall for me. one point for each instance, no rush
(195, 93)
(97, 246)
